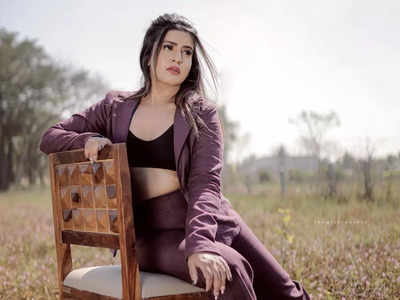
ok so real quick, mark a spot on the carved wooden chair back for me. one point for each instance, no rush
(92, 206)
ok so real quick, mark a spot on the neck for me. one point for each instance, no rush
(162, 94)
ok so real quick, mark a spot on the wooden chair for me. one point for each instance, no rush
(92, 206)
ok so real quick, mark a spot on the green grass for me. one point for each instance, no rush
(339, 250)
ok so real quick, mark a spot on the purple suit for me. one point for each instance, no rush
(211, 224)
(208, 217)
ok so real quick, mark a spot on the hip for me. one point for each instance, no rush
(164, 212)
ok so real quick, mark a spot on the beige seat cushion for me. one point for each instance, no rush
(106, 280)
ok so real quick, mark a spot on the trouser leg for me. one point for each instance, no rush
(271, 281)
(163, 252)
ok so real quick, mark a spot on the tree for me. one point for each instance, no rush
(264, 176)
(348, 161)
(316, 127)
(230, 129)
(366, 164)
(281, 154)
(34, 91)
(390, 163)
(245, 174)
(242, 141)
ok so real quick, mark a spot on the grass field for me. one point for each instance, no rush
(337, 251)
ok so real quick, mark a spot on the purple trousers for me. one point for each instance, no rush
(160, 234)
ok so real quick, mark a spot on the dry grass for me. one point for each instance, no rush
(339, 250)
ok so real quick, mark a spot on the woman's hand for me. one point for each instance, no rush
(214, 268)
(93, 145)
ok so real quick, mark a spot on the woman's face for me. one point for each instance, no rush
(176, 52)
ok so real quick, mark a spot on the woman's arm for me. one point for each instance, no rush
(73, 132)
(204, 186)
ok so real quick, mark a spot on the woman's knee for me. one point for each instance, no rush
(241, 285)
(241, 266)
(236, 261)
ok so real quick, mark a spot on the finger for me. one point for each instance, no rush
(223, 274)
(208, 276)
(88, 150)
(223, 282)
(192, 272)
(217, 278)
(94, 154)
(227, 269)
(105, 142)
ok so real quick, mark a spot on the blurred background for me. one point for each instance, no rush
(309, 104)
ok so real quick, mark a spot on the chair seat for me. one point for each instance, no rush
(106, 280)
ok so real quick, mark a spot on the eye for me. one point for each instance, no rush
(188, 52)
(168, 46)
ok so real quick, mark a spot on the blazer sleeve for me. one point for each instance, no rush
(73, 132)
(204, 186)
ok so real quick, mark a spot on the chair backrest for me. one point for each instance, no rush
(92, 206)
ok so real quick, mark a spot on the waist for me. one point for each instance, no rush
(148, 183)
(164, 212)
(170, 196)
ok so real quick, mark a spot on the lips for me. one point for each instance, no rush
(174, 69)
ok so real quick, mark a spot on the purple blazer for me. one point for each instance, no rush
(198, 163)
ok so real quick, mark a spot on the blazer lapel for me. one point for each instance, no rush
(122, 118)
(181, 131)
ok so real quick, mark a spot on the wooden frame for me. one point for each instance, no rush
(92, 206)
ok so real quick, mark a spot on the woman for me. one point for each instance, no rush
(174, 139)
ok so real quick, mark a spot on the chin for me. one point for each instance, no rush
(171, 82)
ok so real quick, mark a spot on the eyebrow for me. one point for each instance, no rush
(185, 46)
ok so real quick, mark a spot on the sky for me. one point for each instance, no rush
(274, 58)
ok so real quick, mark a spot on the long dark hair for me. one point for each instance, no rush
(193, 88)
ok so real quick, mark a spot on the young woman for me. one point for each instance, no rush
(184, 225)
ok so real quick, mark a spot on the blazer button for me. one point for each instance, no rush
(114, 115)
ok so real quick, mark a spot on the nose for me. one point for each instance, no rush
(177, 57)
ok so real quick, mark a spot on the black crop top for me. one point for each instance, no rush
(157, 153)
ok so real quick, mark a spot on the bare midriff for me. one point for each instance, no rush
(148, 123)
(153, 182)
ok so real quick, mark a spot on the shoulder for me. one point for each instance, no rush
(117, 96)
(207, 110)
(202, 105)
